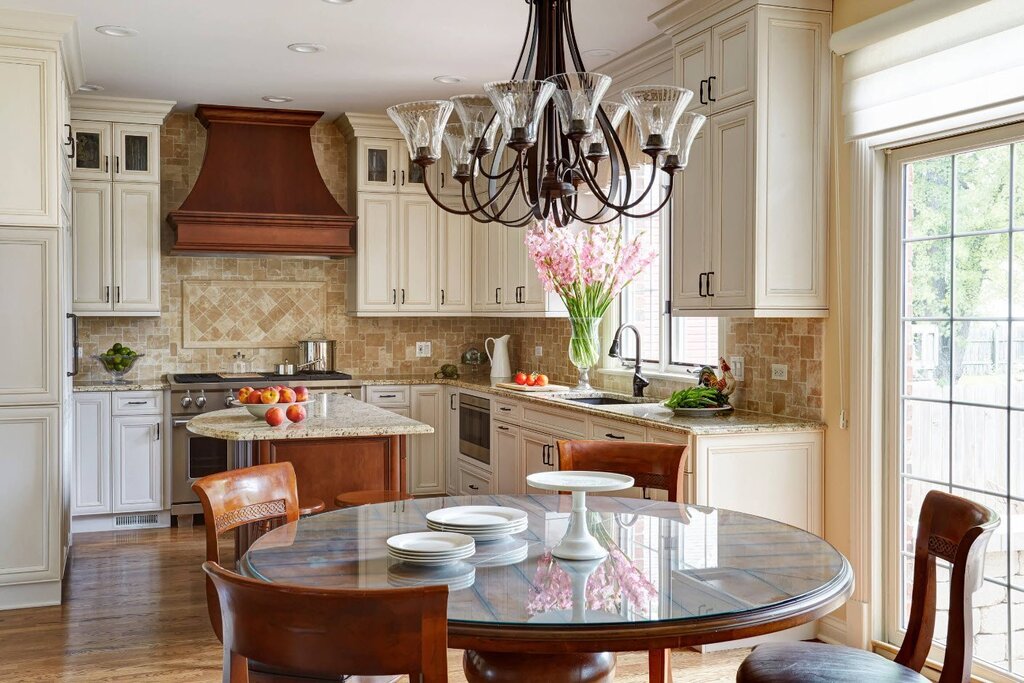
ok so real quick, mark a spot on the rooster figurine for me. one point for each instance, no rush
(726, 383)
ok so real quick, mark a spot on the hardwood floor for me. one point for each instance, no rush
(135, 610)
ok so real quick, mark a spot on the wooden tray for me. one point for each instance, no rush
(522, 387)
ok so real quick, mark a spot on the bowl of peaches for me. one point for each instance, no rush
(274, 404)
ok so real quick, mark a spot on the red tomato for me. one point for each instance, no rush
(520, 378)
(532, 379)
(542, 380)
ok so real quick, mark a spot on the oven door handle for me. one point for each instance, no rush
(180, 423)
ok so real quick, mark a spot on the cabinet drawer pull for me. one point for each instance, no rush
(118, 290)
(388, 396)
(403, 295)
(442, 297)
(473, 487)
(394, 296)
(106, 163)
(394, 177)
(709, 283)
(503, 428)
(545, 457)
(700, 285)
(496, 291)
(711, 80)
(702, 98)
(137, 403)
(442, 181)
(615, 436)
(157, 431)
(504, 409)
(106, 297)
(451, 401)
(117, 163)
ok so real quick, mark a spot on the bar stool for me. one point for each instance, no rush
(351, 499)
(310, 506)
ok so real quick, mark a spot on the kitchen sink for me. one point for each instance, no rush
(604, 401)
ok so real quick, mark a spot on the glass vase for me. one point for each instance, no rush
(584, 347)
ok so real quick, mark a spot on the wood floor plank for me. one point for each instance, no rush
(135, 610)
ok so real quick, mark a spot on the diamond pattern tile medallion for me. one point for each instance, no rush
(221, 314)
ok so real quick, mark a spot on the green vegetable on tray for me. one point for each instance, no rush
(697, 397)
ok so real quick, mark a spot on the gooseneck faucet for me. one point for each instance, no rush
(639, 381)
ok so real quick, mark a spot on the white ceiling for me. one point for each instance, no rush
(379, 52)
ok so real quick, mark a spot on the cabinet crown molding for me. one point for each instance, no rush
(120, 109)
(683, 14)
(52, 27)
(355, 125)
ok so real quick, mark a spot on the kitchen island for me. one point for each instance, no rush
(342, 445)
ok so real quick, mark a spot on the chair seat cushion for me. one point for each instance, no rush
(820, 663)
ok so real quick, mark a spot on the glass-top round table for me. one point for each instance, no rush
(675, 575)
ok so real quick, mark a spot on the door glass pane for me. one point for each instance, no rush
(962, 374)
(87, 150)
(136, 153)
(377, 165)
(415, 172)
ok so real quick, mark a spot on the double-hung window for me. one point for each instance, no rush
(667, 344)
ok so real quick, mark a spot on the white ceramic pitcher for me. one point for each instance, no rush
(501, 367)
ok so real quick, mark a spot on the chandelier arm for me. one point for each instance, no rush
(530, 31)
(628, 204)
(593, 220)
(570, 36)
(482, 207)
(664, 202)
(499, 176)
(436, 200)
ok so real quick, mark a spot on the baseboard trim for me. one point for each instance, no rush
(832, 630)
(22, 595)
(91, 523)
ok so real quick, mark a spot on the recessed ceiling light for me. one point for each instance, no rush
(306, 48)
(117, 31)
(601, 52)
(276, 99)
(449, 79)
(337, 2)
(90, 87)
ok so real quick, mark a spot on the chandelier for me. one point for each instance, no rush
(557, 136)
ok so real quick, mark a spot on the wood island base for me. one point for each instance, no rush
(516, 667)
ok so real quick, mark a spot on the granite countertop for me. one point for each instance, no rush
(99, 384)
(330, 415)
(642, 412)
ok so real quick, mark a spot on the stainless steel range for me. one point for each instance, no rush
(193, 456)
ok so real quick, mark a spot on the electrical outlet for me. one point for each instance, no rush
(538, 351)
(780, 371)
(423, 349)
(736, 362)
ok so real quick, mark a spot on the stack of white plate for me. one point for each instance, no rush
(431, 547)
(482, 522)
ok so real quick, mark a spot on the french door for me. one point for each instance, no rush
(956, 370)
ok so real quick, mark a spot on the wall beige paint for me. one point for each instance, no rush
(837, 366)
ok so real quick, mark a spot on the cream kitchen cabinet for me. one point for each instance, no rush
(383, 164)
(124, 152)
(539, 453)
(505, 279)
(30, 136)
(454, 259)
(116, 248)
(451, 440)
(488, 266)
(427, 451)
(749, 236)
(32, 317)
(397, 255)
(507, 475)
(118, 460)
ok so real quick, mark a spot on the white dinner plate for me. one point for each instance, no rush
(457, 552)
(476, 516)
(430, 542)
(483, 529)
(579, 480)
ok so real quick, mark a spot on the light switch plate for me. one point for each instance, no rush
(423, 349)
(538, 351)
(780, 371)
(736, 362)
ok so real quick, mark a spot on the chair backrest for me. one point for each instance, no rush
(956, 530)
(652, 465)
(327, 632)
(243, 496)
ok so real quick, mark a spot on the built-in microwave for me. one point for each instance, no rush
(475, 428)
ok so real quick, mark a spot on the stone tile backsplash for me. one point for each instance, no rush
(388, 345)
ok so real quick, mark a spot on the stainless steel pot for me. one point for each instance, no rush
(316, 354)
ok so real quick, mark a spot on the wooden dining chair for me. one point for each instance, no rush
(652, 466)
(320, 632)
(258, 494)
(949, 527)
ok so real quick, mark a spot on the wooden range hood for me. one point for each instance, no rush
(259, 190)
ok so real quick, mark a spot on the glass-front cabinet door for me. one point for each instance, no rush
(136, 153)
(411, 176)
(378, 165)
(92, 151)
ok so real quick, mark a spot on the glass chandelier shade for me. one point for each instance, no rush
(461, 149)
(656, 111)
(477, 114)
(520, 105)
(594, 145)
(678, 155)
(422, 125)
(576, 100)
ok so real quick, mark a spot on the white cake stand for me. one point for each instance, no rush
(578, 543)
